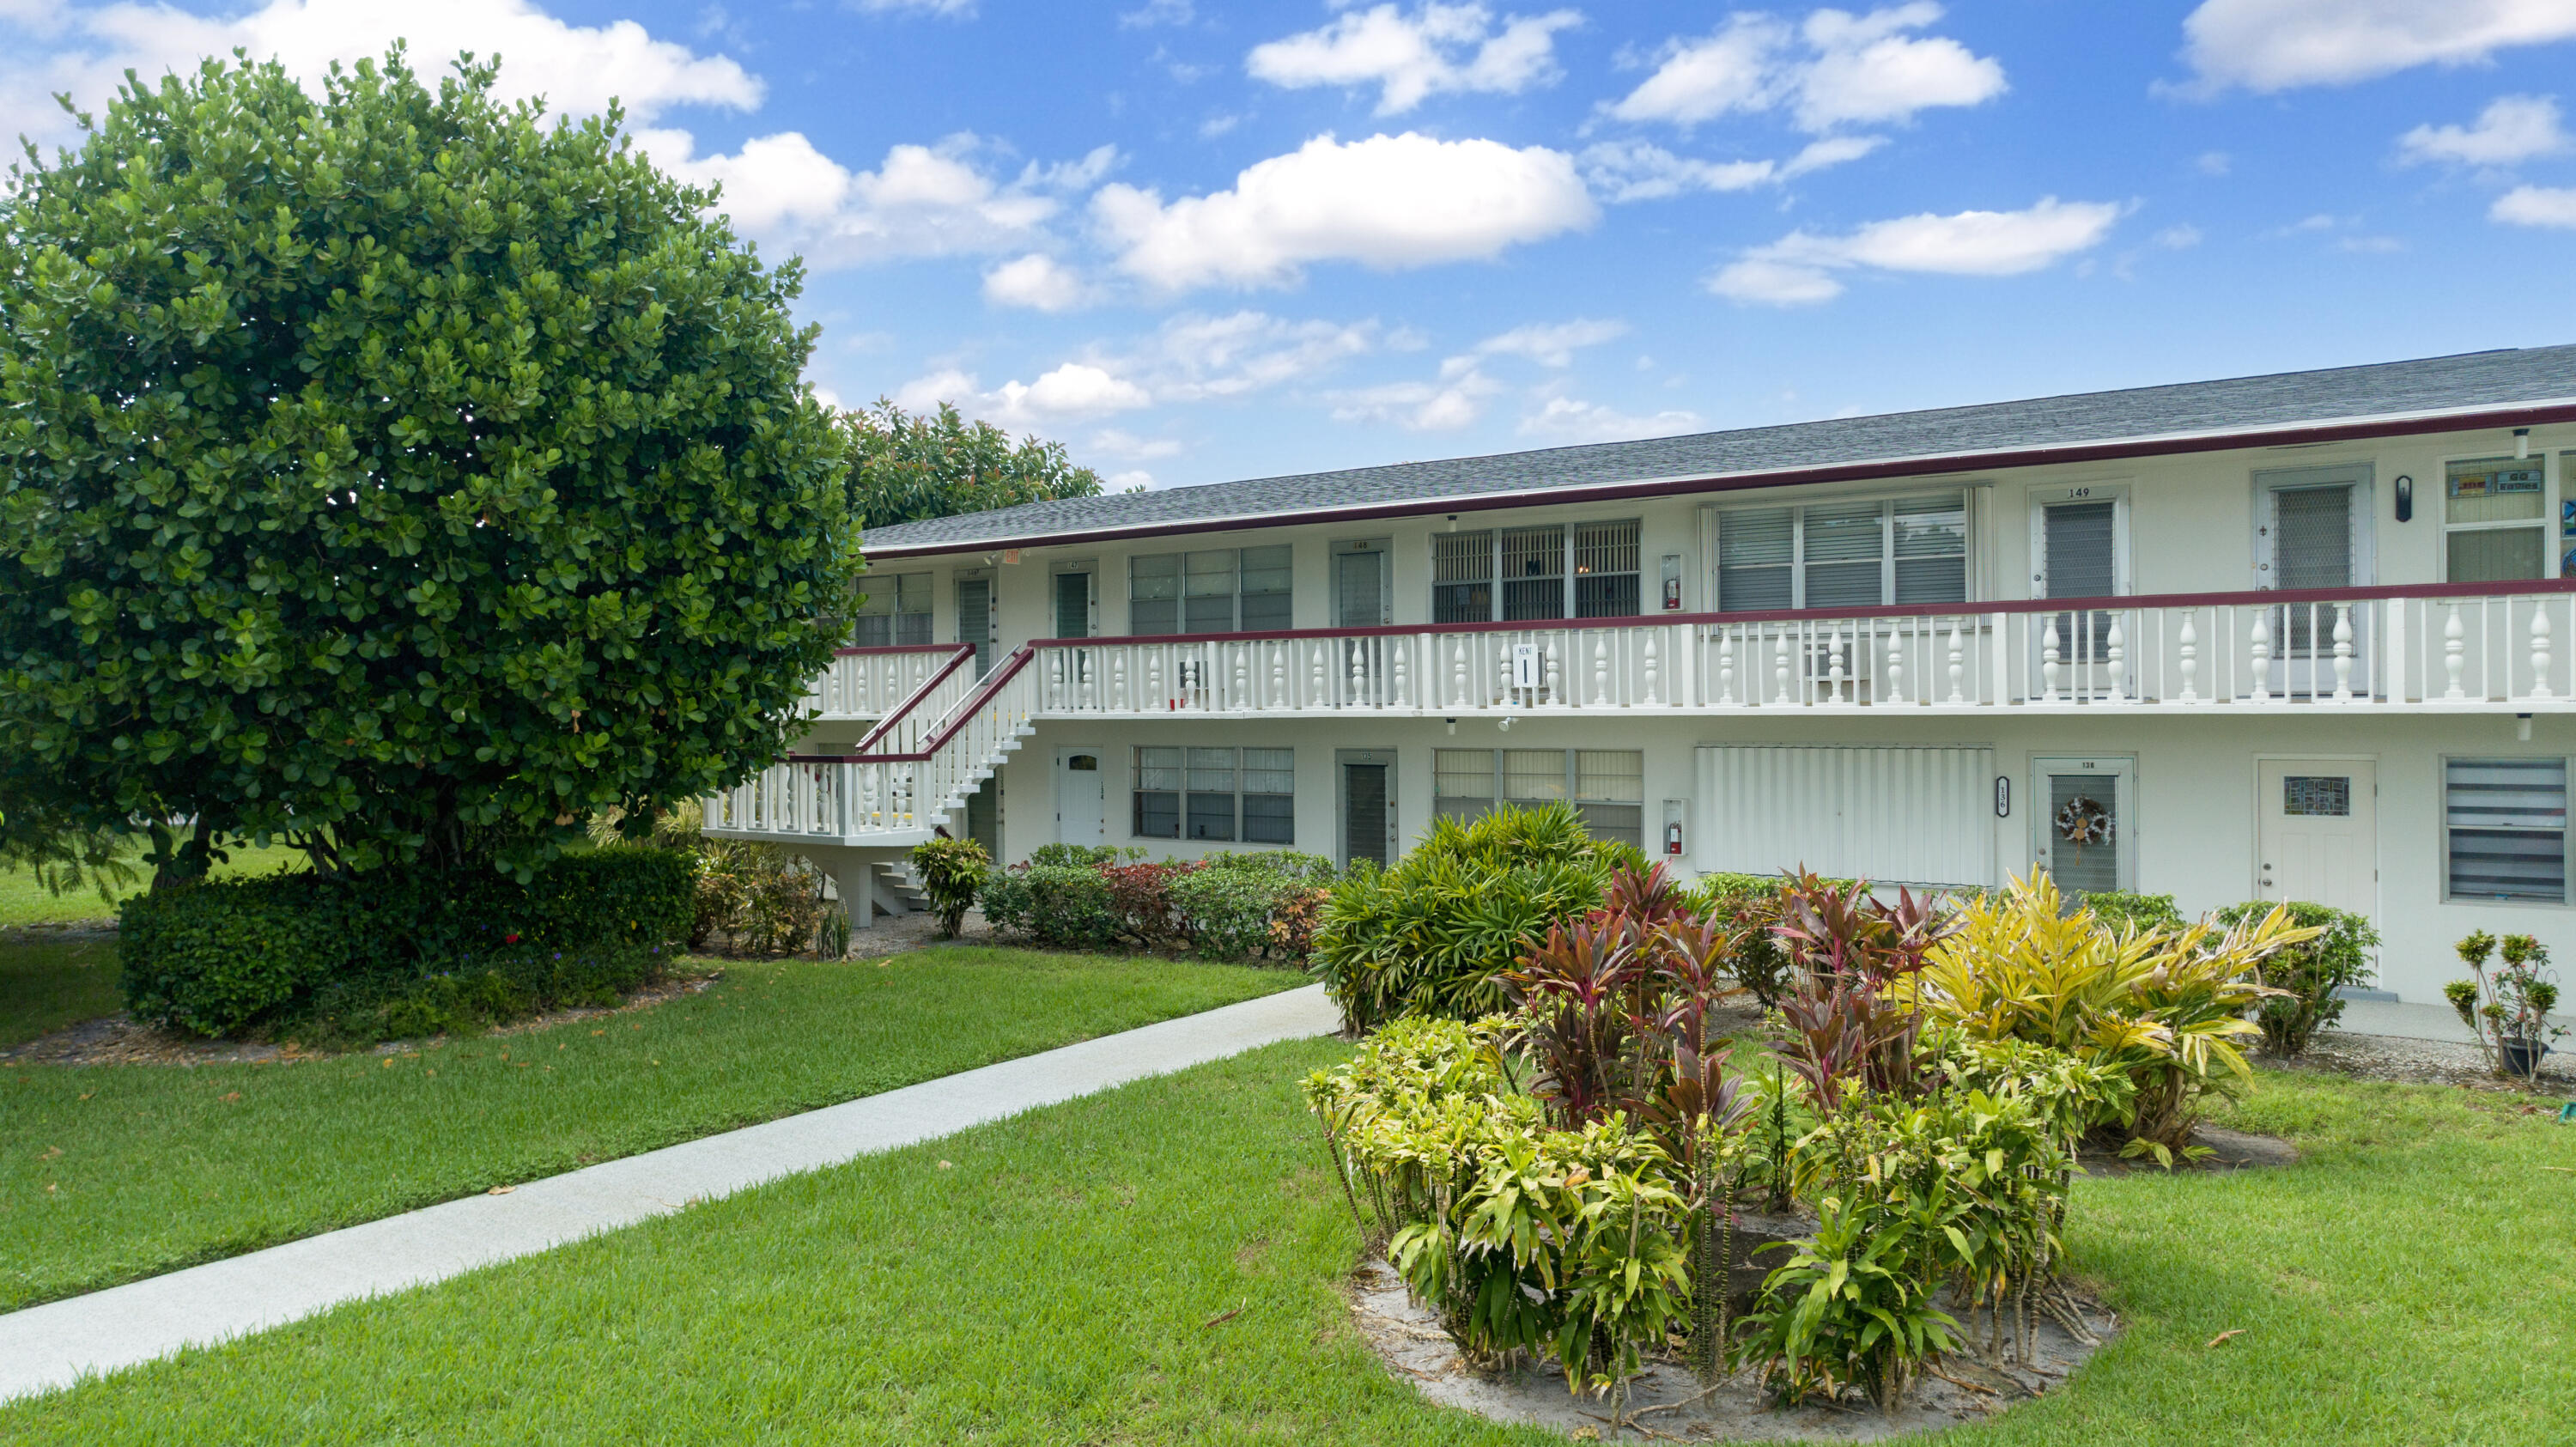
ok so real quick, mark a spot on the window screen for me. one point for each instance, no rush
(1610, 789)
(1214, 590)
(1462, 782)
(896, 613)
(2494, 520)
(1533, 573)
(1605, 570)
(1158, 794)
(1591, 570)
(1216, 794)
(1843, 554)
(2507, 826)
(1606, 785)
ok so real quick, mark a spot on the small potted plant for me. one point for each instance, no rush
(2508, 1010)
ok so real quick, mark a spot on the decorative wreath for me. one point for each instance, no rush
(2081, 821)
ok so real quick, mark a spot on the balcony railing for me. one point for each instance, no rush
(2428, 647)
(873, 682)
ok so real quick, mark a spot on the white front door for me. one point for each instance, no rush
(1081, 798)
(2320, 837)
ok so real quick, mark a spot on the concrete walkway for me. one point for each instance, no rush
(51, 1346)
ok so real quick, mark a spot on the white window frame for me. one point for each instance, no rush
(1181, 796)
(2566, 843)
(2554, 542)
(1182, 601)
(892, 598)
(1713, 531)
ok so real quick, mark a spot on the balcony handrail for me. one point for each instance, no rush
(2113, 603)
(897, 648)
(896, 715)
(958, 717)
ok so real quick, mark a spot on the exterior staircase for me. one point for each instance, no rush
(908, 779)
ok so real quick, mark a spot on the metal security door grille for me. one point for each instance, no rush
(2312, 548)
(1364, 828)
(1359, 590)
(1073, 605)
(975, 619)
(2081, 552)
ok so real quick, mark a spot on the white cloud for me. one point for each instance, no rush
(957, 9)
(1442, 406)
(1623, 171)
(1568, 419)
(1550, 344)
(2512, 128)
(1036, 280)
(1133, 480)
(1837, 69)
(920, 201)
(1437, 48)
(1388, 201)
(2178, 238)
(2536, 206)
(1868, 71)
(2214, 163)
(1193, 357)
(1128, 447)
(1799, 267)
(1158, 12)
(577, 68)
(2271, 45)
(1071, 393)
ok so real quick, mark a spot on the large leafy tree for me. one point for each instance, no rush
(395, 472)
(905, 467)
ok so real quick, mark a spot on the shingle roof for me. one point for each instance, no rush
(2241, 404)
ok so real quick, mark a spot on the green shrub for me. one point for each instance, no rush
(2118, 907)
(1226, 913)
(951, 871)
(380, 954)
(1288, 864)
(2310, 972)
(763, 899)
(1432, 933)
(1063, 856)
(1056, 904)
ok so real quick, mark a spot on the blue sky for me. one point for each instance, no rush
(1199, 241)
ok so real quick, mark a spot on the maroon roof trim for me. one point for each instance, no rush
(2308, 435)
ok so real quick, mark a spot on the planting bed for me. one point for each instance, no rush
(1665, 1401)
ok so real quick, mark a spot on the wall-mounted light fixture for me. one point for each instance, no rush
(2522, 444)
(2405, 499)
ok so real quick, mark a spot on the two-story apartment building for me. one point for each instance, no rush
(2293, 636)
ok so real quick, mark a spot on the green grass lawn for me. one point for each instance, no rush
(48, 984)
(24, 901)
(108, 1173)
(1067, 1277)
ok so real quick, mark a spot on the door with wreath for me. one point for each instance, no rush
(2081, 822)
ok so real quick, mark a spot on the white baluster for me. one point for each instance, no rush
(1725, 664)
(2048, 646)
(1458, 670)
(2188, 644)
(1278, 675)
(1780, 663)
(2262, 655)
(2343, 653)
(2455, 651)
(2540, 648)
(1315, 694)
(1651, 700)
(1895, 664)
(1359, 674)
(2117, 666)
(1242, 676)
(1555, 676)
(1958, 664)
(1840, 670)
(1600, 671)
(1396, 648)
(1118, 695)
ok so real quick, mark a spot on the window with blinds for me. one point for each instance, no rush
(1607, 786)
(1219, 795)
(1218, 590)
(895, 614)
(2494, 520)
(2506, 822)
(1843, 554)
(1527, 574)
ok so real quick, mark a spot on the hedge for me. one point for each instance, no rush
(397, 952)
